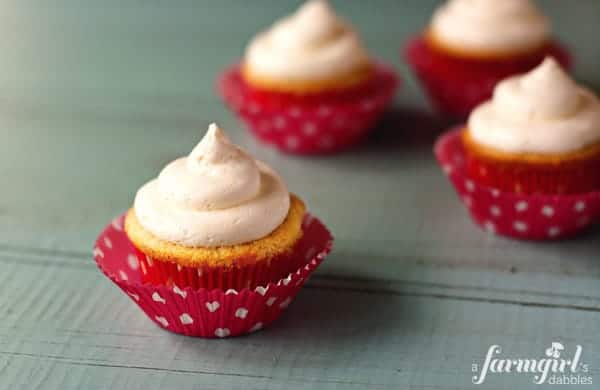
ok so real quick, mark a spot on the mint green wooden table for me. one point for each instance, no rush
(95, 98)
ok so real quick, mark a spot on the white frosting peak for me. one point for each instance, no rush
(490, 25)
(215, 147)
(543, 111)
(547, 92)
(315, 19)
(218, 195)
(313, 43)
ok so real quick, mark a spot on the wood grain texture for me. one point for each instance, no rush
(96, 97)
(332, 338)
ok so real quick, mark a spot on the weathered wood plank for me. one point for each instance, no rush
(105, 93)
(87, 179)
(68, 318)
(61, 374)
(105, 111)
(527, 289)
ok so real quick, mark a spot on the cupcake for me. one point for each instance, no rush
(307, 84)
(216, 246)
(217, 218)
(471, 45)
(540, 133)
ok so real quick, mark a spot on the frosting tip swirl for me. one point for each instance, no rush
(214, 147)
(217, 195)
(543, 111)
(503, 26)
(313, 43)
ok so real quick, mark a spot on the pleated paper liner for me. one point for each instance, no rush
(521, 216)
(204, 312)
(569, 177)
(309, 124)
(249, 275)
(456, 86)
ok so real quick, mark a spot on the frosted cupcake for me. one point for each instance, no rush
(217, 218)
(470, 45)
(307, 84)
(540, 133)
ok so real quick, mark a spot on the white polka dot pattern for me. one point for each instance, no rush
(548, 211)
(186, 319)
(489, 226)
(495, 211)
(521, 206)
(315, 125)
(469, 185)
(222, 332)
(532, 217)
(554, 231)
(133, 261)
(162, 320)
(256, 327)
(520, 226)
(285, 303)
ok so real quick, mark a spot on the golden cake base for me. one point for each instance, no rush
(341, 82)
(278, 242)
(488, 153)
(480, 55)
(556, 173)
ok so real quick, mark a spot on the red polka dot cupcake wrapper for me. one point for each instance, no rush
(208, 312)
(521, 216)
(568, 178)
(159, 272)
(456, 86)
(311, 124)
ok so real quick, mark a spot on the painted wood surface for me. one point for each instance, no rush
(96, 97)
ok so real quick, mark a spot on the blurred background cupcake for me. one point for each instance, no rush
(540, 133)
(470, 45)
(307, 84)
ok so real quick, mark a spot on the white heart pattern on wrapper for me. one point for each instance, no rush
(186, 319)
(212, 306)
(180, 292)
(162, 320)
(222, 332)
(228, 313)
(157, 298)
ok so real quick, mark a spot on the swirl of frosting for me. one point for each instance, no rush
(218, 195)
(312, 44)
(499, 26)
(543, 111)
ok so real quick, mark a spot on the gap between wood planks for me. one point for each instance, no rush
(312, 380)
(529, 298)
(61, 359)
